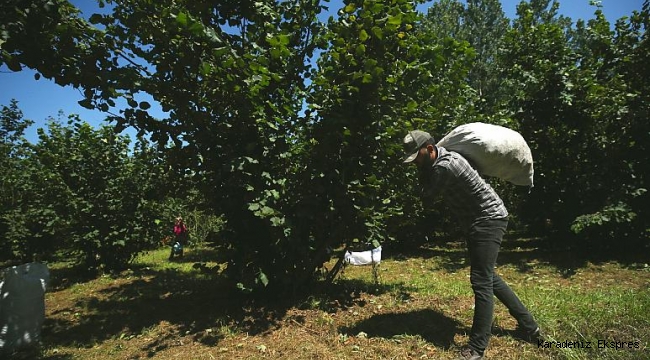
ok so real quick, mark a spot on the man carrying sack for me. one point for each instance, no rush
(484, 217)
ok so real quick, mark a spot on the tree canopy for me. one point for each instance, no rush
(289, 129)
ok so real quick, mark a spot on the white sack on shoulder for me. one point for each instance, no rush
(363, 257)
(494, 150)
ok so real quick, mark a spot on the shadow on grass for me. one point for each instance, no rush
(567, 256)
(34, 353)
(164, 305)
(196, 254)
(434, 327)
(62, 277)
(186, 303)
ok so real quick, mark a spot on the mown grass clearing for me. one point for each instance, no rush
(420, 309)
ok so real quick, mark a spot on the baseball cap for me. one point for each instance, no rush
(413, 141)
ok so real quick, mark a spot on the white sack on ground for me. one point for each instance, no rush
(494, 150)
(363, 257)
(22, 305)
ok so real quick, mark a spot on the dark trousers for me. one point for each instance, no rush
(483, 243)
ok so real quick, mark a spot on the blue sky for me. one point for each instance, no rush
(40, 99)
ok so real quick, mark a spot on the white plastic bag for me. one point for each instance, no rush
(494, 150)
(22, 305)
(363, 257)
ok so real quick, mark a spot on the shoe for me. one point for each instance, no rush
(531, 336)
(469, 354)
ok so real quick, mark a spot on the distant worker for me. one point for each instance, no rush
(180, 240)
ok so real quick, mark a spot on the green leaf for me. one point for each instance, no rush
(13, 64)
(412, 105)
(262, 278)
(220, 51)
(254, 207)
(95, 19)
(206, 68)
(360, 50)
(284, 39)
(363, 35)
(395, 20)
(378, 32)
(196, 28)
(182, 19)
(244, 288)
(87, 103)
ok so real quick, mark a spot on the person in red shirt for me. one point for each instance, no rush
(180, 233)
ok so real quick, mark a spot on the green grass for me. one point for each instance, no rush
(420, 309)
(604, 302)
